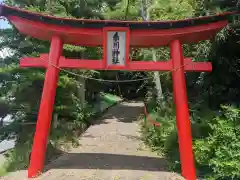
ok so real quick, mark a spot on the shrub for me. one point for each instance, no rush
(220, 151)
(61, 137)
(162, 139)
(216, 141)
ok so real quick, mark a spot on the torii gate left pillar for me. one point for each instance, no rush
(46, 108)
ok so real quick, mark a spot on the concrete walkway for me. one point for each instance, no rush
(110, 150)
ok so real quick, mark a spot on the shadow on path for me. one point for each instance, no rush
(108, 161)
(119, 112)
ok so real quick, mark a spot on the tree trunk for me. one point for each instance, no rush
(157, 80)
(81, 91)
(55, 120)
(146, 16)
(118, 86)
(1, 122)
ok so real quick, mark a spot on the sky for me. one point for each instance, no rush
(3, 23)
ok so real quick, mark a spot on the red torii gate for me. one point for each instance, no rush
(125, 34)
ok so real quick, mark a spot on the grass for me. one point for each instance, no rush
(3, 171)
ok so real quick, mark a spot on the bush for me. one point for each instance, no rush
(216, 141)
(162, 139)
(62, 137)
(220, 151)
(18, 157)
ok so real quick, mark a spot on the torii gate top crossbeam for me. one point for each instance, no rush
(90, 32)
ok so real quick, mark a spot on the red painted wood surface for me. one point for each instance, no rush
(189, 65)
(45, 111)
(182, 113)
(138, 38)
(42, 61)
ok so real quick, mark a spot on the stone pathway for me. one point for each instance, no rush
(110, 150)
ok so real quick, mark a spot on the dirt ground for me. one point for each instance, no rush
(110, 149)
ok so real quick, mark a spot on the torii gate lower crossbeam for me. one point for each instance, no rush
(54, 61)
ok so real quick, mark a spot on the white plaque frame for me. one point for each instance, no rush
(116, 46)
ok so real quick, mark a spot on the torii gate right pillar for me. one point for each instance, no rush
(182, 112)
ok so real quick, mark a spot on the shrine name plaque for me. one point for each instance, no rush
(116, 47)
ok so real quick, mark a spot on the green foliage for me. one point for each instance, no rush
(162, 139)
(2, 171)
(171, 10)
(219, 151)
(18, 158)
(216, 141)
(69, 127)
